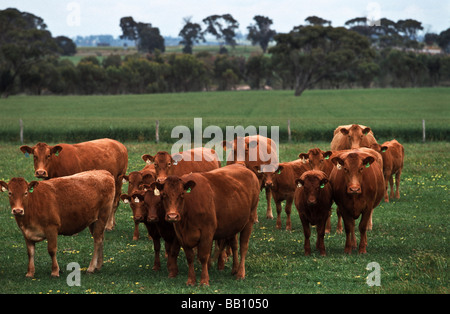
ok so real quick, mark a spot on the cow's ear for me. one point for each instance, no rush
(125, 198)
(338, 162)
(304, 157)
(327, 154)
(368, 161)
(384, 148)
(148, 158)
(26, 150)
(56, 150)
(157, 185)
(32, 185)
(256, 169)
(299, 183)
(344, 131)
(280, 168)
(125, 179)
(323, 182)
(137, 198)
(366, 131)
(3, 186)
(188, 186)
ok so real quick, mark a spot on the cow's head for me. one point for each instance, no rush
(316, 158)
(268, 173)
(136, 201)
(163, 163)
(172, 192)
(313, 183)
(137, 179)
(379, 148)
(153, 202)
(353, 167)
(43, 155)
(356, 136)
(19, 191)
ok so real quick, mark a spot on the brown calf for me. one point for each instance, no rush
(257, 152)
(351, 137)
(194, 160)
(358, 187)
(136, 180)
(281, 183)
(212, 205)
(67, 159)
(313, 199)
(62, 206)
(393, 155)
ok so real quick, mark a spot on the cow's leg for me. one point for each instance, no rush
(189, 252)
(320, 244)
(234, 249)
(339, 223)
(349, 225)
(397, 183)
(391, 182)
(204, 251)
(307, 234)
(52, 245)
(30, 250)
(136, 231)
(243, 239)
(97, 255)
(172, 265)
(387, 179)
(269, 204)
(278, 206)
(366, 215)
(288, 209)
(157, 248)
(328, 225)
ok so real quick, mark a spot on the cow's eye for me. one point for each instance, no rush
(26, 193)
(169, 164)
(9, 193)
(48, 156)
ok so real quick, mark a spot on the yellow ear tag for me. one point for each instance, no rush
(156, 192)
(136, 200)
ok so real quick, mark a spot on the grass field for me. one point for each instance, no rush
(409, 239)
(390, 112)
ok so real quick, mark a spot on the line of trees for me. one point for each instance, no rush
(313, 55)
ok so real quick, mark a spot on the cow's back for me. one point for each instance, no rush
(74, 201)
(235, 192)
(196, 160)
(339, 141)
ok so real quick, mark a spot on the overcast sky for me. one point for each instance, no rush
(94, 17)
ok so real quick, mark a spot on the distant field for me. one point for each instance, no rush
(409, 241)
(391, 113)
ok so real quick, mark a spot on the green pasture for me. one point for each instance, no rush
(313, 116)
(409, 241)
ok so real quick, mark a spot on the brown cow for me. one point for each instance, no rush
(257, 152)
(67, 159)
(205, 206)
(194, 160)
(393, 155)
(351, 137)
(150, 206)
(62, 206)
(358, 187)
(281, 183)
(320, 160)
(313, 199)
(136, 180)
(139, 208)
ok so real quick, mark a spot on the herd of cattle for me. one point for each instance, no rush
(189, 200)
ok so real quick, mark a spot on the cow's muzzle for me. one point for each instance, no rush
(18, 211)
(41, 174)
(172, 217)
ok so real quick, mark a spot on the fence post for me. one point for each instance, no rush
(289, 130)
(423, 130)
(157, 132)
(21, 131)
